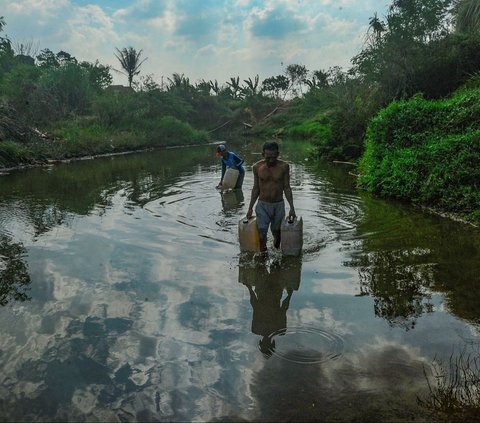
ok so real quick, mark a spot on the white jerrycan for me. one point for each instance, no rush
(292, 236)
(230, 178)
(248, 235)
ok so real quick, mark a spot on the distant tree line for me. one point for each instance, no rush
(420, 46)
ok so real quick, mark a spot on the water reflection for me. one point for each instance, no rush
(453, 386)
(14, 276)
(232, 201)
(266, 283)
(405, 255)
(137, 313)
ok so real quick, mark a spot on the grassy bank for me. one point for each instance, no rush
(84, 137)
(427, 152)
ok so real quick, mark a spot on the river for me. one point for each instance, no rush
(124, 297)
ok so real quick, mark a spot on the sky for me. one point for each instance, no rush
(201, 39)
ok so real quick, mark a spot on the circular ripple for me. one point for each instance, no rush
(304, 345)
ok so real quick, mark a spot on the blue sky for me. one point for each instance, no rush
(202, 39)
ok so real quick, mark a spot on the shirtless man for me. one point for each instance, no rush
(271, 181)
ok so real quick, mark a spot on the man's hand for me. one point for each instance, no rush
(249, 213)
(219, 185)
(291, 214)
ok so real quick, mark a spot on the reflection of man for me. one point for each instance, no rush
(269, 313)
(266, 287)
(232, 201)
(271, 179)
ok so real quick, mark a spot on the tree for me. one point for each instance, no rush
(64, 58)
(130, 61)
(399, 47)
(214, 86)
(47, 59)
(98, 74)
(297, 75)
(234, 87)
(275, 85)
(251, 86)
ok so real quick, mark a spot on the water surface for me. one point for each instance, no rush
(125, 297)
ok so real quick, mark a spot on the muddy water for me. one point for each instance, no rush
(125, 298)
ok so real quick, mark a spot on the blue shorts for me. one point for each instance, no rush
(269, 214)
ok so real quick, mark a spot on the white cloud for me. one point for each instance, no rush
(215, 41)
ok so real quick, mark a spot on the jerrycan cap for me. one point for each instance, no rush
(246, 219)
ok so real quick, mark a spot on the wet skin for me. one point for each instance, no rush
(271, 180)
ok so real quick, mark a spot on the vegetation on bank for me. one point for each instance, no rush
(427, 152)
(422, 50)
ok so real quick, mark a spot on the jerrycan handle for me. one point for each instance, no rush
(246, 219)
(290, 220)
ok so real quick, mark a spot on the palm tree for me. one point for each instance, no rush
(129, 59)
(468, 16)
(234, 86)
(2, 23)
(251, 86)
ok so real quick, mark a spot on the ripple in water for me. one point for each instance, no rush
(305, 345)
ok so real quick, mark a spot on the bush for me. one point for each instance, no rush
(115, 108)
(171, 131)
(426, 151)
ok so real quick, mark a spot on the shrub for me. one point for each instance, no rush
(426, 151)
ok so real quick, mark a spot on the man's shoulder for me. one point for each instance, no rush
(256, 165)
(283, 164)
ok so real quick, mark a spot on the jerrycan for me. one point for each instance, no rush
(248, 235)
(292, 236)
(230, 178)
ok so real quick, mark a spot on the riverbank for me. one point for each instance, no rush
(49, 162)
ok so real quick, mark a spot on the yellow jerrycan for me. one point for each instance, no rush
(248, 235)
(230, 178)
(292, 236)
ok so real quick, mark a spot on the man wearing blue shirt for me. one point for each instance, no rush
(230, 159)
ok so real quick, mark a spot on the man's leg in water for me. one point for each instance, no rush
(278, 216)
(277, 238)
(263, 222)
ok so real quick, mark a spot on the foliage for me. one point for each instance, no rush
(426, 151)
(70, 86)
(276, 85)
(12, 153)
(171, 131)
(397, 47)
(98, 75)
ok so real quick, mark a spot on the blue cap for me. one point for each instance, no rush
(221, 147)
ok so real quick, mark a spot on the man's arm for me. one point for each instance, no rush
(255, 192)
(288, 191)
(224, 169)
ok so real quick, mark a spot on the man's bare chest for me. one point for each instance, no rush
(270, 174)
